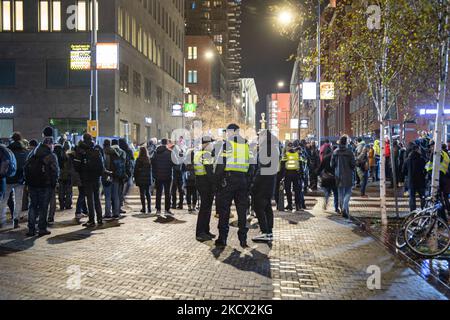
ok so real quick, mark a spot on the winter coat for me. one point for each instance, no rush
(387, 149)
(142, 172)
(360, 148)
(21, 154)
(323, 149)
(86, 174)
(110, 152)
(343, 163)
(372, 162)
(414, 169)
(51, 166)
(162, 165)
(377, 148)
(326, 172)
(74, 175)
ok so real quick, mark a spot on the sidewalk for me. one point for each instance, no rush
(315, 255)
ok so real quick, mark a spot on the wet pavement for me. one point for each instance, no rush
(315, 255)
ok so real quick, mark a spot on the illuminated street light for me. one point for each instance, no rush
(285, 17)
(209, 55)
(281, 84)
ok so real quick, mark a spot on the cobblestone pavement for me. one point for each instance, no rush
(315, 255)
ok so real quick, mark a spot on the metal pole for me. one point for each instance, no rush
(394, 173)
(319, 107)
(94, 72)
(184, 91)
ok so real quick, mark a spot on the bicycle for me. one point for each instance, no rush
(427, 234)
(400, 241)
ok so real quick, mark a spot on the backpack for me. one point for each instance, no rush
(129, 165)
(93, 162)
(8, 163)
(34, 171)
(118, 166)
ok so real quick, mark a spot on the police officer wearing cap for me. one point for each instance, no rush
(290, 166)
(204, 181)
(232, 167)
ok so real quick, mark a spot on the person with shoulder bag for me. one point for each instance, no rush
(328, 179)
(142, 178)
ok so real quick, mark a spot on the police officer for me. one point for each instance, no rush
(290, 166)
(204, 181)
(232, 167)
(444, 180)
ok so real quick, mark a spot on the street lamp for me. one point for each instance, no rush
(280, 84)
(285, 17)
(209, 55)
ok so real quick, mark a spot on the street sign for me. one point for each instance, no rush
(92, 128)
(309, 91)
(327, 91)
(107, 56)
(80, 57)
(190, 110)
(177, 110)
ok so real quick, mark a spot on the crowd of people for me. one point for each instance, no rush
(34, 175)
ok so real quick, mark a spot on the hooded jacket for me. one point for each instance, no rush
(162, 164)
(85, 149)
(50, 161)
(21, 153)
(343, 162)
(414, 169)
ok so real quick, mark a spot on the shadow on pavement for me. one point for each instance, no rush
(296, 217)
(170, 220)
(81, 234)
(252, 261)
(17, 244)
(65, 224)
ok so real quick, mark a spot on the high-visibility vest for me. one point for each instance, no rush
(238, 158)
(445, 162)
(292, 161)
(202, 158)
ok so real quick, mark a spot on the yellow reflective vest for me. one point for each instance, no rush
(445, 162)
(202, 158)
(238, 158)
(292, 160)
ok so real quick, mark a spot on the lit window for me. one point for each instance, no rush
(120, 22)
(43, 16)
(18, 16)
(81, 19)
(219, 49)
(192, 53)
(192, 76)
(56, 16)
(6, 15)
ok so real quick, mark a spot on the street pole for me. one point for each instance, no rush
(94, 72)
(184, 91)
(318, 76)
(443, 77)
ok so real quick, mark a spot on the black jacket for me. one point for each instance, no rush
(162, 164)
(50, 178)
(87, 173)
(326, 172)
(414, 169)
(21, 154)
(343, 162)
(142, 172)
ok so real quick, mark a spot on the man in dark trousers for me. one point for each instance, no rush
(89, 164)
(263, 186)
(232, 177)
(414, 169)
(162, 167)
(204, 181)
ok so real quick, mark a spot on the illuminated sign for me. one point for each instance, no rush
(80, 57)
(107, 56)
(177, 110)
(92, 128)
(327, 91)
(424, 112)
(190, 110)
(7, 110)
(309, 91)
(148, 120)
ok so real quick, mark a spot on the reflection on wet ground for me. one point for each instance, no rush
(435, 270)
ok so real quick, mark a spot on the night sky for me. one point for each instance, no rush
(264, 50)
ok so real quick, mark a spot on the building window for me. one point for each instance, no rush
(11, 15)
(136, 84)
(120, 21)
(219, 49)
(159, 97)
(192, 98)
(133, 32)
(56, 16)
(135, 133)
(81, 16)
(139, 40)
(49, 16)
(192, 53)
(7, 73)
(44, 16)
(57, 73)
(192, 76)
(124, 78)
(6, 128)
(147, 90)
(218, 38)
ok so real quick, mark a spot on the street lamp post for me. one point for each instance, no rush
(94, 72)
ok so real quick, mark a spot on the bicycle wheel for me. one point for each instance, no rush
(427, 236)
(400, 241)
